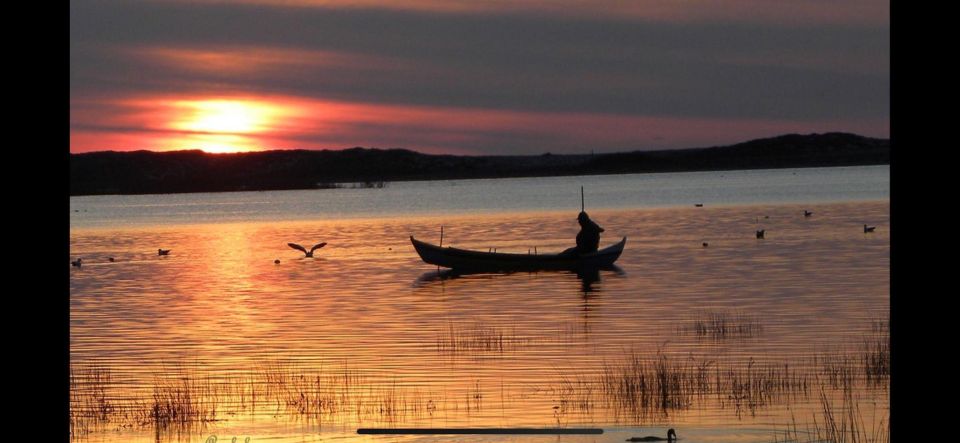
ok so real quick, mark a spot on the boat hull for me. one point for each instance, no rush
(467, 260)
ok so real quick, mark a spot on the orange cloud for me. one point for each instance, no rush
(246, 123)
(233, 60)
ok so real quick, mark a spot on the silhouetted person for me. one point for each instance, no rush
(588, 239)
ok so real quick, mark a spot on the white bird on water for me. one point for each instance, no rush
(305, 251)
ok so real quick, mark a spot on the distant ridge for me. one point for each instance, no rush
(147, 172)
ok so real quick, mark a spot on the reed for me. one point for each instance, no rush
(341, 392)
(575, 393)
(869, 363)
(841, 423)
(749, 387)
(90, 404)
(478, 337)
(643, 387)
(640, 385)
(875, 354)
(721, 325)
(183, 399)
(840, 369)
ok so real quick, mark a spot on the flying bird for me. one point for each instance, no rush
(163, 252)
(867, 229)
(305, 251)
(671, 437)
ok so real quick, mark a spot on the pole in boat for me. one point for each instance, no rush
(581, 199)
(441, 243)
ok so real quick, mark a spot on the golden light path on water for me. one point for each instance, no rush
(382, 339)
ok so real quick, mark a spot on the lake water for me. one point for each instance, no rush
(743, 340)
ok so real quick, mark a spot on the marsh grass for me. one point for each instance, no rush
(869, 362)
(182, 399)
(722, 325)
(477, 337)
(637, 387)
(575, 393)
(838, 423)
(637, 384)
(839, 369)
(755, 385)
(875, 354)
(643, 387)
(90, 405)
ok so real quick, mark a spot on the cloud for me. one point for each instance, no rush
(680, 60)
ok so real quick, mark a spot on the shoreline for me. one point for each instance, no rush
(177, 172)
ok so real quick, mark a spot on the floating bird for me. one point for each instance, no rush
(305, 251)
(276, 262)
(77, 263)
(867, 229)
(110, 259)
(699, 205)
(807, 213)
(705, 244)
(163, 252)
(761, 232)
(671, 437)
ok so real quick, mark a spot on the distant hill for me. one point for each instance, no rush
(146, 172)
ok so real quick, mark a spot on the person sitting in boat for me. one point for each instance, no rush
(588, 239)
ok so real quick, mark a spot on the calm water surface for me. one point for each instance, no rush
(382, 339)
(458, 197)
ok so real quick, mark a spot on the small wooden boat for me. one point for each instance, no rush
(463, 259)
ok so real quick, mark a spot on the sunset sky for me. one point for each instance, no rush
(472, 77)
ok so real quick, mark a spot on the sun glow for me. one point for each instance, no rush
(224, 116)
(222, 125)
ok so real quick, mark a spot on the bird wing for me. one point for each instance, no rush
(296, 246)
(318, 246)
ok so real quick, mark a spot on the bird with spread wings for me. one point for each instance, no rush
(305, 251)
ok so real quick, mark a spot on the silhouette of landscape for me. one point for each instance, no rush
(147, 172)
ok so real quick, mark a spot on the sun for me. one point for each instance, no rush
(223, 116)
(223, 125)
